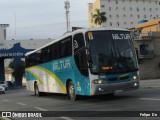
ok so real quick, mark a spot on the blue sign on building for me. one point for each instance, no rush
(16, 52)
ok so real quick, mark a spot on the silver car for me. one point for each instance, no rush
(4, 84)
(2, 89)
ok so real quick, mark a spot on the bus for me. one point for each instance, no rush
(84, 62)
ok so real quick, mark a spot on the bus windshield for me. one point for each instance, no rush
(111, 52)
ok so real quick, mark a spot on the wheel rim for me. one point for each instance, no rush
(71, 92)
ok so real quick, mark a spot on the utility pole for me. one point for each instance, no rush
(67, 6)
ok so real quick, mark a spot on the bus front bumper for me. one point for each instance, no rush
(99, 89)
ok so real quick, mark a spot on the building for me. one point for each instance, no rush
(146, 38)
(15, 50)
(124, 13)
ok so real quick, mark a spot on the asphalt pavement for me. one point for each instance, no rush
(147, 98)
(155, 83)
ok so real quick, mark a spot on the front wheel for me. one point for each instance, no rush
(71, 91)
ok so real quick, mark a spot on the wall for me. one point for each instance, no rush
(149, 68)
(125, 12)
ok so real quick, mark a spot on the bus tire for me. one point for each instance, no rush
(36, 90)
(110, 94)
(71, 91)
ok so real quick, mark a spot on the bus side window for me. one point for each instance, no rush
(54, 51)
(80, 54)
(78, 42)
(66, 47)
(45, 55)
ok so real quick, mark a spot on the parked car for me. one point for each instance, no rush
(2, 89)
(4, 84)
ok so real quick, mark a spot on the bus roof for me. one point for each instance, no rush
(72, 33)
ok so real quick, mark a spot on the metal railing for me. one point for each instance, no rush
(146, 36)
(146, 54)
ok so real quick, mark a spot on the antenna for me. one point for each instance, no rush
(15, 25)
(67, 6)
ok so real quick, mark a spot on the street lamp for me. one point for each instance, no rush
(67, 6)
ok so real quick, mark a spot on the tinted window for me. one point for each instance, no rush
(80, 54)
(78, 40)
(54, 51)
(66, 47)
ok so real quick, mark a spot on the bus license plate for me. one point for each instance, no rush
(118, 91)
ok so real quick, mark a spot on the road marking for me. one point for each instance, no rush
(66, 118)
(21, 104)
(154, 99)
(6, 100)
(42, 109)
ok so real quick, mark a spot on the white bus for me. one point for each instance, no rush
(84, 62)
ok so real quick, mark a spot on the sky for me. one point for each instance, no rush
(41, 19)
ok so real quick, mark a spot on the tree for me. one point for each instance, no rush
(18, 72)
(99, 17)
(11, 65)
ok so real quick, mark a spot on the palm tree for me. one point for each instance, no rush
(99, 17)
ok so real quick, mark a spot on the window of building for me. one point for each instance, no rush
(131, 8)
(131, 22)
(157, 16)
(110, 23)
(91, 20)
(137, 9)
(116, 8)
(117, 16)
(109, 8)
(138, 16)
(145, 16)
(110, 16)
(144, 9)
(150, 16)
(156, 2)
(150, 9)
(117, 23)
(124, 8)
(131, 16)
(156, 8)
(102, 6)
(124, 15)
(116, 2)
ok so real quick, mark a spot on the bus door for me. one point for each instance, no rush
(81, 70)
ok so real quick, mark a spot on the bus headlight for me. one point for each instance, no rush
(135, 77)
(98, 81)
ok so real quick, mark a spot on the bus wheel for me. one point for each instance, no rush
(36, 90)
(110, 94)
(71, 91)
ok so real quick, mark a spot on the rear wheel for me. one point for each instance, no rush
(71, 91)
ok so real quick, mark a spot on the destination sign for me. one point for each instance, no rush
(121, 36)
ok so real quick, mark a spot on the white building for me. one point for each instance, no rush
(124, 13)
(27, 44)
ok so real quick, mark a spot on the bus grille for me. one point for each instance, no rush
(118, 78)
